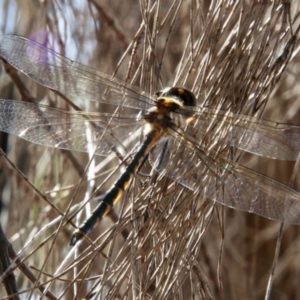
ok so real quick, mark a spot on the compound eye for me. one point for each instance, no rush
(186, 97)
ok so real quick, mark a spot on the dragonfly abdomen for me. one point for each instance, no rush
(114, 194)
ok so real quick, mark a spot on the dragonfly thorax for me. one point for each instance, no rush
(158, 118)
(169, 101)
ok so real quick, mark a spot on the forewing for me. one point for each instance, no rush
(260, 137)
(74, 80)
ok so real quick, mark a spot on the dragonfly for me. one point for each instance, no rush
(185, 142)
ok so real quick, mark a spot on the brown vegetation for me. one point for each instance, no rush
(236, 56)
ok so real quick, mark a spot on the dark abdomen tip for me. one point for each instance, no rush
(77, 236)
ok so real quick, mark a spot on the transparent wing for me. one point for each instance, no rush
(260, 137)
(228, 183)
(73, 131)
(81, 82)
(76, 81)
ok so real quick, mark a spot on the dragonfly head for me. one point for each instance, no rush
(184, 96)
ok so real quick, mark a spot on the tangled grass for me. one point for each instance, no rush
(162, 241)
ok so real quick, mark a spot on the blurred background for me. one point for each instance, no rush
(234, 56)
